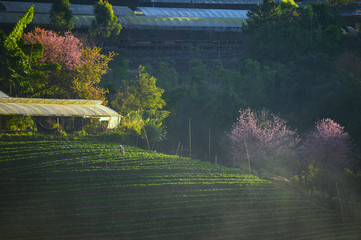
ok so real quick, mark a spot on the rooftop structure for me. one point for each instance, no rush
(204, 1)
(157, 18)
(58, 108)
(183, 23)
(191, 12)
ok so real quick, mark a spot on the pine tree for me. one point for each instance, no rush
(105, 23)
(61, 15)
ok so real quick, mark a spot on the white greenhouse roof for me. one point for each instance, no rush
(205, 1)
(44, 19)
(54, 107)
(44, 8)
(3, 95)
(183, 23)
(191, 12)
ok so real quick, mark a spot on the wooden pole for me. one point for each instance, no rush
(209, 145)
(190, 138)
(215, 159)
(176, 153)
(339, 198)
(249, 163)
(146, 138)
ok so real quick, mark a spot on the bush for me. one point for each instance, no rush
(18, 123)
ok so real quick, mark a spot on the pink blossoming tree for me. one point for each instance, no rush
(63, 49)
(81, 68)
(265, 137)
(328, 145)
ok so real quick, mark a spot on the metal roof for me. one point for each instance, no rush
(205, 1)
(183, 23)
(22, 7)
(191, 12)
(143, 22)
(44, 19)
(54, 107)
(44, 8)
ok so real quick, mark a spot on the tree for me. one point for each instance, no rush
(93, 65)
(80, 69)
(285, 32)
(328, 146)
(270, 12)
(105, 23)
(18, 77)
(61, 15)
(144, 96)
(264, 137)
(63, 49)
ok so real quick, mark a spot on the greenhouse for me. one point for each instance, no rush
(157, 18)
(183, 23)
(77, 9)
(80, 21)
(59, 109)
(11, 12)
(204, 1)
(191, 12)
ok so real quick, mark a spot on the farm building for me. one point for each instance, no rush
(180, 19)
(71, 114)
(11, 12)
(219, 4)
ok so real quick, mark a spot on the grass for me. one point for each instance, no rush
(87, 190)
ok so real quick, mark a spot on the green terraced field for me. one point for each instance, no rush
(86, 190)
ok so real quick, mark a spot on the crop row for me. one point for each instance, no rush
(178, 227)
(87, 190)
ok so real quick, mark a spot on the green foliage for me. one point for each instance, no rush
(105, 23)
(143, 96)
(284, 32)
(17, 123)
(271, 12)
(18, 30)
(18, 77)
(61, 15)
(132, 123)
(154, 133)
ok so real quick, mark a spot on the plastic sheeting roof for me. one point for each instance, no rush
(184, 23)
(143, 22)
(44, 8)
(54, 107)
(205, 1)
(44, 19)
(2, 94)
(191, 12)
(14, 18)
(24, 6)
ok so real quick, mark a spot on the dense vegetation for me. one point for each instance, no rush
(87, 190)
(289, 105)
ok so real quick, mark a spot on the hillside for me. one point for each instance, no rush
(87, 190)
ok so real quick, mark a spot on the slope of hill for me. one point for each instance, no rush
(87, 190)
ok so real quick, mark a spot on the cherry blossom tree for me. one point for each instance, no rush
(263, 137)
(63, 49)
(81, 68)
(328, 146)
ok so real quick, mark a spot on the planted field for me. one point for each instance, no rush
(87, 190)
